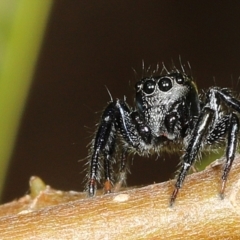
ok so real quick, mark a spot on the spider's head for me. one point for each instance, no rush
(158, 96)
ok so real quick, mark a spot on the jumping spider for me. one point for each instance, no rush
(169, 112)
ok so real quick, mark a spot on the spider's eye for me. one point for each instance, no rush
(165, 84)
(179, 79)
(149, 86)
(138, 86)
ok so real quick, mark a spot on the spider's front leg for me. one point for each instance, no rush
(210, 119)
(192, 150)
(116, 117)
(104, 140)
(231, 149)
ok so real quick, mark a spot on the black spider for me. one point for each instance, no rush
(169, 113)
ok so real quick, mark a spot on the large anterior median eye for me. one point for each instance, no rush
(165, 84)
(149, 86)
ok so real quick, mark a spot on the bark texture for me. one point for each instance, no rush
(139, 213)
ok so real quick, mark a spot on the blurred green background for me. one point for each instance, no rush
(57, 56)
(22, 25)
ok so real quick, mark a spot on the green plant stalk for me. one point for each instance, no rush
(25, 32)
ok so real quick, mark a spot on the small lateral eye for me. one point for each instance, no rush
(138, 86)
(165, 84)
(149, 86)
(179, 79)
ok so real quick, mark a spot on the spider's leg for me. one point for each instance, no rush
(225, 96)
(116, 117)
(231, 149)
(103, 143)
(228, 124)
(134, 134)
(122, 175)
(107, 160)
(204, 120)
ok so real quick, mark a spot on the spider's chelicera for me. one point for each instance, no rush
(169, 113)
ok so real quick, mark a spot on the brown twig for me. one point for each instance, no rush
(140, 213)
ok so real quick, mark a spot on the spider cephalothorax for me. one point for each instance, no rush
(165, 105)
(168, 112)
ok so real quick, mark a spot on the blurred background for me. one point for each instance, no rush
(87, 45)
